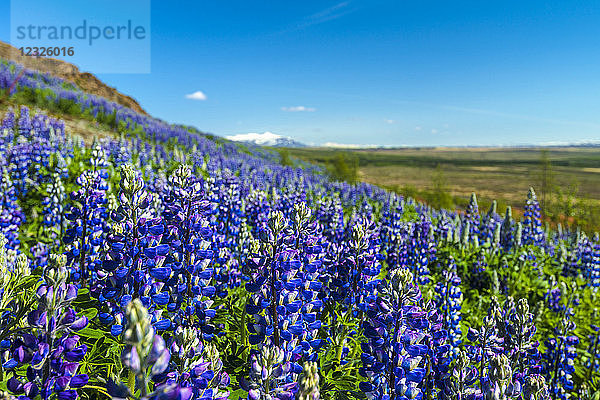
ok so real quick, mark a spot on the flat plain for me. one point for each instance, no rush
(500, 173)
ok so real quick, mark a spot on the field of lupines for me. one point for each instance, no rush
(165, 265)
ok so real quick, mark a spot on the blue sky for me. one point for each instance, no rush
(375, 72)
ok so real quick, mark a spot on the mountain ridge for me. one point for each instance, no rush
(265, 139)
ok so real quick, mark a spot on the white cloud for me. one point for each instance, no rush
(434, 131)
(350, 146)
(329, 14)
(580, 142)
(199, 95)
(299, 109)
(418, 128)
(390, 121)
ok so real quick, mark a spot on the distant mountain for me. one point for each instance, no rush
(266, 139)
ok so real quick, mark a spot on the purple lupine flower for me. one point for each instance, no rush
(561, 351)
(270, 370)
(88, 217)
(133, 266)
(196, 366)
(11, 215)
(393, 358)
(490, 225)
(145, 353)
(471, 221)
(50, 347)
(533, 233)
(449, 300)
(54, 216)
(506, 231)
(189, 235)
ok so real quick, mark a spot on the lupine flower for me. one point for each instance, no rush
(515, 331)
(393, 358)
(7, 129)
(330, 216)
(449, 299)
(15, 281)
(49, 347)
(227, 197)
(499, 385)
(506, 231)
(88, 218)
(309, 382)
(592, 355)
(558, 359)
(472, 218)
(421, 251)
(485, 343)
(459, 385)
(535, 388)
(353, 274)
(532, 223)
(595, 265)
(270, 371)
(145, 353)
(133, 265)
(11, 215)
(275, 301)
(54, 218)
(490, 224)
(189, 235)
(197, 366)
(590, 261)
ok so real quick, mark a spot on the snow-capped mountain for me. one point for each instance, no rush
(265, 139)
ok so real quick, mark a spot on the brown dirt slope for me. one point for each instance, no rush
(86, 81)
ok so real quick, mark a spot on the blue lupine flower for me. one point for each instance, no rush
(506, 231)
(147, 357)
(133, 267)
(490, 223)
(471, 220)
(189, 235)
(558, 359)
(449, 300)
(88, 218)
(11, 215)
(393, 358)
(196, 366)
(49, 346)
(532, 222)
(54, 216)
(270, 370)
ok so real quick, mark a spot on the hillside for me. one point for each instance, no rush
(62, 69)
(159, 262)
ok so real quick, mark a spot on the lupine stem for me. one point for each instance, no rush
(481, 365)
(593, 356)
(244, 329)
(186, 256)
(82, 270)
(131, 381)
(557, 356)
(391, 380)
(274, 304)
(136, 291)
